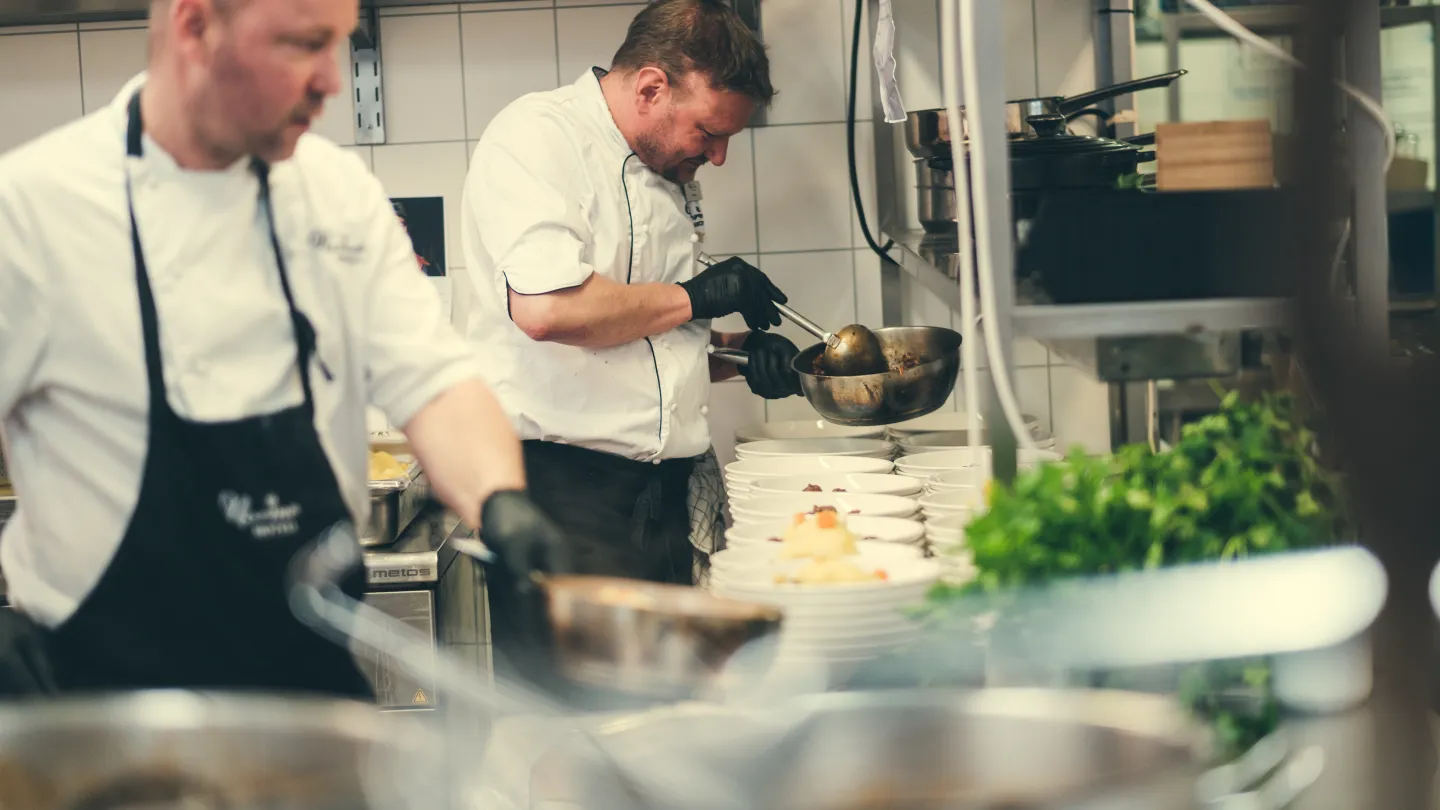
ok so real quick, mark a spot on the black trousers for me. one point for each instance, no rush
(622, 518)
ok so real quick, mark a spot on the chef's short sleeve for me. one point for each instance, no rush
(24, 314)
(525, 195)
(413, 353)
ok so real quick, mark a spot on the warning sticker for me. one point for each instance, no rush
(420, 697)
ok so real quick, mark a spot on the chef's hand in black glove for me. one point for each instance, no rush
(524, 539)
(769, 372)
(734, 286)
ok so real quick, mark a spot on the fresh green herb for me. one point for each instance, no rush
(1242, 481)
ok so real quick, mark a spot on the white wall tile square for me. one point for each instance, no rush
(801, 187)
(1020, 56)
(806, 67)
(920, 307)
(1082, 409)
(337, 122)
(427, 170)
(865, 169)
(108, 60)
(42, 86)
(590, 36)
(729, 199)
(365, 153)
(1064, 47)
(523, 42)
(869, 309)
(820, 285)
(917, 54)
(424, 86)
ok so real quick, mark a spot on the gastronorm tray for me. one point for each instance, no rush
(394, 503)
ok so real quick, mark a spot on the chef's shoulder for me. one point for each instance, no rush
(61, 171)
(545, 131)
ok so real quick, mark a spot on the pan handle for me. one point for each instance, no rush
(735, 356)
(1073, 104)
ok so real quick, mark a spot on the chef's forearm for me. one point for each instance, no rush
(601, 312)
(721, 370)
(467, 448)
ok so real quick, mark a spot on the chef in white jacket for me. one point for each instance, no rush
(581, 226)
(197, 302)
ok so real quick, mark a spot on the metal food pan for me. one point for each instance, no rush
(394, 504)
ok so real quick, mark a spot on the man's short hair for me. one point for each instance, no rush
(707, 36)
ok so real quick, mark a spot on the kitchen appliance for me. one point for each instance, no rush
(924, 362)
(927, 132)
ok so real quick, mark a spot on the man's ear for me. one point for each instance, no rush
(651, 85)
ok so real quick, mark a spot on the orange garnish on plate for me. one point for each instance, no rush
(827, 520)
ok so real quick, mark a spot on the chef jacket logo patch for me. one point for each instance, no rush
(272, 520)
(340, 246)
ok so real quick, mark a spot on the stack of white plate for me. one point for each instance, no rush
(765, 509)
(776, 448)
(805, 429)
(955, 440)
(972, 479)
(893, 530)
(944, 422)
(928, 465)
(946, 536)
(837, 626)
(741, 476)
(871, 483)
(957, 502)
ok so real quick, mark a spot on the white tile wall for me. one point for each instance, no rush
(782, 198)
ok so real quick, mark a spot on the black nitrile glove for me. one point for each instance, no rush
(769, 372)
(524, 539)
(734, 286)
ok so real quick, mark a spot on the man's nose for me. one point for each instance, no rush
(717, 151)
(327, 79)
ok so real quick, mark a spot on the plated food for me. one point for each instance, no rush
(830, 548)
(384, 466)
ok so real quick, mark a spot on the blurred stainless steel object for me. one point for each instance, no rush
(927, 132)
(641, 638)
(934, 198)
(394, 505)
(207, 752)
(980, 750)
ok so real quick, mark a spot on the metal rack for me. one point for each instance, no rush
(1083, 335)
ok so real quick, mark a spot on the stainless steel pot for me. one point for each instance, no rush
(208, 752)
(927, 132)
(919, 750)
(934, 198)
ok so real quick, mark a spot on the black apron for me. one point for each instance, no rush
(196, 594)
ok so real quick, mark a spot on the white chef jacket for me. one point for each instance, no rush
(72, 374)
(555, 194)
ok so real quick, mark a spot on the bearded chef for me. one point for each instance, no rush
(197, 302)
(580, 220)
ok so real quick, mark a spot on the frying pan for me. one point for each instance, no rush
(931, 352)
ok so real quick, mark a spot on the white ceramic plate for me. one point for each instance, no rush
(869, 483)
(931, 464)
(804, 429)
(902, 531)
(751, 470)
(766, 508)
(902, 575)
(956, 439)
(941, 421)
(771, 448)
(969, 501)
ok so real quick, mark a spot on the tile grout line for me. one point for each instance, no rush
(555, 25)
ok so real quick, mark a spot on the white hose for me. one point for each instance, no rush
(960, 179)
(999, 371)
(1232, 27)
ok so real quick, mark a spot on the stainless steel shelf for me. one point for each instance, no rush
(926, 260)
